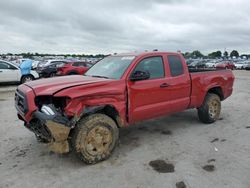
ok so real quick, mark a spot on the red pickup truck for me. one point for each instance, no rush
(85, 112)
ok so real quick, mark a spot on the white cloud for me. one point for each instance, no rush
(60, 26)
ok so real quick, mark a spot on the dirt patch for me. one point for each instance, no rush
(214, 140)
(209, 168)
(223, 140)
(247, 127)
(14, 166)
(166, 132)
(161, 166)
(180, 184)
(2, 99)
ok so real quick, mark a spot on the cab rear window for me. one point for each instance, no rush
(175, 65)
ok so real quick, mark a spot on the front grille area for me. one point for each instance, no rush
(21, 102)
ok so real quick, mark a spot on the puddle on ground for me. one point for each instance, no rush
(161, 166)
(214, 140)
(180, 184)
(209, 168)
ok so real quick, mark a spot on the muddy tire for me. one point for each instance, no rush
(94, 138)
(209, 112)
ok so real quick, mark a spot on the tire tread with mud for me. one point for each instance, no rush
(94, 138)
(209, 112)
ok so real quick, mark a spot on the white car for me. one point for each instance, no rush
(211, 64)
(10, 72)
(246, 64)
(239, 65)
(49, 62)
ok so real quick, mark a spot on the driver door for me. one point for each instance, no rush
(149, 98)
(8, 72)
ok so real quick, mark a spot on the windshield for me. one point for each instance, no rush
(110, 67)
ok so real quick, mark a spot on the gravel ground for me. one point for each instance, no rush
(174, 151)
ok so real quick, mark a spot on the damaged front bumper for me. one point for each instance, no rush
(52, 126)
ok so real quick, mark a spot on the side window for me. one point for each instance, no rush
(154, 65)
(82, 64)
(76, 64)
(175, 65)
(4, 65)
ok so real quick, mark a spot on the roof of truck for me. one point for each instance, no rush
(143, 53)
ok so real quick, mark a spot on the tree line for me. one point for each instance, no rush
(216, 54)
(31, 55)
(194, 54)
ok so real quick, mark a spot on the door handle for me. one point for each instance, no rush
(164, 85)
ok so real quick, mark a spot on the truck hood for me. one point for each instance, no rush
(50, 86)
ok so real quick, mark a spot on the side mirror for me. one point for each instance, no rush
(140, 75)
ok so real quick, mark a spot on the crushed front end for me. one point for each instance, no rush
(44, 116)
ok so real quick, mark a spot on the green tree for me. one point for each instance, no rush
(215, 54)
(196, 54)
(187, 54)
(225, 54)
(234, 53)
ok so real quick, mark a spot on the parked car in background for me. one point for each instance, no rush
(212, 64)
(49, 62)
(226, 65)
(239, 65)
(11, 73)
(72, 68)
(35, 64)
(247, 66)
(197, 64)
(49, 70)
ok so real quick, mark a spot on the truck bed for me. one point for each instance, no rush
(202, 69)
(204, 79)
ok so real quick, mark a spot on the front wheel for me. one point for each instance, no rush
(27, 78)
(95, 138)
(209, 112)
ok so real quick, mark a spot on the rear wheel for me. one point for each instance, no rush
(27, 78)
(94, 138)
(52, 74)
(209, 112)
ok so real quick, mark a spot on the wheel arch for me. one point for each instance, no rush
(218, 91)
(108, 110)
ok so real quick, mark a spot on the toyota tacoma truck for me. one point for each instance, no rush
(84, 113)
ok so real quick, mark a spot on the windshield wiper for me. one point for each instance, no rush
(97, 76)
